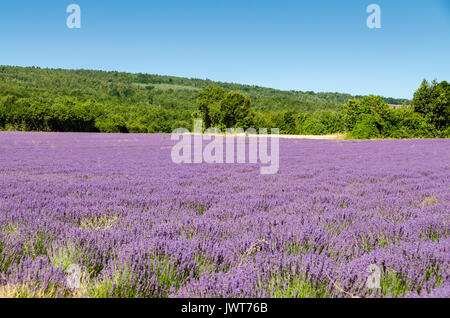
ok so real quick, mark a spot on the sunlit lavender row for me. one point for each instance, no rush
(138, 225)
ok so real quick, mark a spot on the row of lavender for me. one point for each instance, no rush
(139, 225)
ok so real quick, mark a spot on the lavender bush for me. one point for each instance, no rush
(139, 225)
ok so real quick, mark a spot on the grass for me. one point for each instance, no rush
(102, 223)
(36, 246)
(158, 278)
(429, 201)
(296, 248)
(300, 286)
(28, 290)
(63, 257)
(12, 228)
(121, 284)
(432, 234)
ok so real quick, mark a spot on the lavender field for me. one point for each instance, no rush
(139, 225)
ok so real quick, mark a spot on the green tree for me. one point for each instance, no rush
(288, 126)
(208, 99)
(410, 124)
(422, 98)
(350, 113)
(433, 101)
(365, 128)
(313, 126)
(366, 113)
(236, 110)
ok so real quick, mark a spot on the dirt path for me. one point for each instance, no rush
(317, 137)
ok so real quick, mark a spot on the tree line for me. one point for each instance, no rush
(37, 99)
(428, 115)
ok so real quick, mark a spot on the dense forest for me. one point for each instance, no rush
(96, 101)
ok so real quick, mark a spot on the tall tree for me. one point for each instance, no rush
(207, 100)
(236, 110)
(433, 101)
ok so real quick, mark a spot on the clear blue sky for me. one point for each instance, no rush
(315, 45)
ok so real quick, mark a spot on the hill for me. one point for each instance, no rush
(135, 102)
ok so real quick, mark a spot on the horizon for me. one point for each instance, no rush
(289, 45)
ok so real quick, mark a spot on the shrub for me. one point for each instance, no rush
(365, 128)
